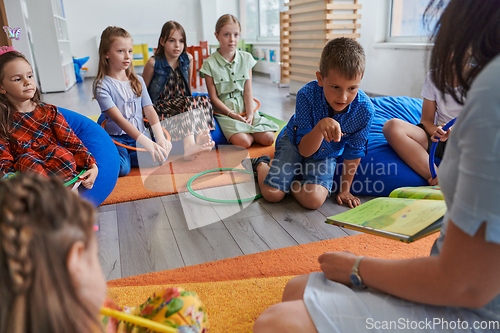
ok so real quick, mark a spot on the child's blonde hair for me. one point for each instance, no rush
(108, 36)
(226, 19)
(7, 110)
(40, 220)
(344, 55)
(166, 31)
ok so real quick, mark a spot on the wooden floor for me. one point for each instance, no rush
(151, 235)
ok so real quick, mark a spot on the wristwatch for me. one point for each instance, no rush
(355, 277)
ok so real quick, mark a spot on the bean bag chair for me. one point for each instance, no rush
(382, 170)
(100, 145)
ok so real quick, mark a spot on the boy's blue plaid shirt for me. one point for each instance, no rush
(311, 106)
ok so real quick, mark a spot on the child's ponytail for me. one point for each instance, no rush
(40, 219)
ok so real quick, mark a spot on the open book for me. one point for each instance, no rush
(409, 213)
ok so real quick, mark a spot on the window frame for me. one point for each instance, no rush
(402, 39)
(259, 38)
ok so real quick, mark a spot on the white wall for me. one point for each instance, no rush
(87, 19)
(16, 18)
(389, 71)
(211, 10)
(143, 19)
(263, 66)
(392, 71)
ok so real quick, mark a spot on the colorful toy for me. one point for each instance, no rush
(138, 321)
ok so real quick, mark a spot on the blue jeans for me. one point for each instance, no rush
(288, 166)
(132, 158)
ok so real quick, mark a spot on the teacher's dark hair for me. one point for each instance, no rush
(468, 32)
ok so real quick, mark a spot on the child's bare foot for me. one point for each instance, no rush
(191, 151)
(203, 137)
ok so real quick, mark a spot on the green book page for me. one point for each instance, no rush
(419, 192)
(402, 216)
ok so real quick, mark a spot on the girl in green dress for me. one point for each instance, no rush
(228, 73)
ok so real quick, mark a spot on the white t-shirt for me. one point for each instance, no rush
(119, 93)
(447, 108)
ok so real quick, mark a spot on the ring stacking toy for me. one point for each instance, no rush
(130, 147)
(432, 152)
(190, 189)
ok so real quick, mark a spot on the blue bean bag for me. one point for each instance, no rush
(100, 145)
(382, 170)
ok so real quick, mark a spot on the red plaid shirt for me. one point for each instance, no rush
(44, 144)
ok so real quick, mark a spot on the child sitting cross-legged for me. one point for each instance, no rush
(332, 119)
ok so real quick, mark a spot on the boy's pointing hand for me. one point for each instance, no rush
(330, 129)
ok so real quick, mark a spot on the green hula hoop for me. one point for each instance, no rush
(190, 189)
(72, 181)
(68, 183)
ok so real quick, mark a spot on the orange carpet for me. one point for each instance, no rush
(236, 290)
(172, 177)
(294, 260)
(232, 306)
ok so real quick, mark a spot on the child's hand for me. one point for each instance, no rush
(441, 134)
(166, 144)
(348, 198)
(237, 117)
(160, 152)
(89, 176)
(330, 129)
(157, 151)
(249, 118)
(161, 141)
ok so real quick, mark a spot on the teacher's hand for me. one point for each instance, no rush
(337, 266)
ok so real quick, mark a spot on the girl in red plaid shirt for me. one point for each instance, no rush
(35, 136)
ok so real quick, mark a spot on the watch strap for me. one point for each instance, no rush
(355, 271)
(355, 267)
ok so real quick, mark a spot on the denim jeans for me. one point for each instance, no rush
(288, 165)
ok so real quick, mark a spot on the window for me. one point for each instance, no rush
(406, 24)
(262, 20)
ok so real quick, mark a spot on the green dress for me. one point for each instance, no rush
(229, 79)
